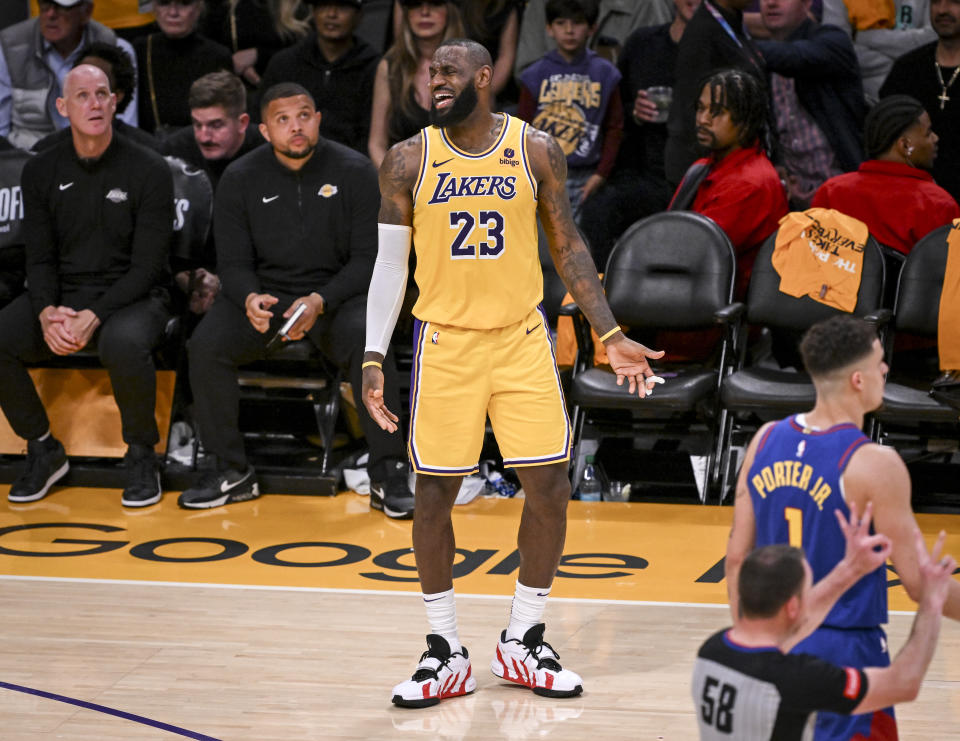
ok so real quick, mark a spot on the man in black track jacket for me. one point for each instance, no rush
(97, 223)
(295, 223)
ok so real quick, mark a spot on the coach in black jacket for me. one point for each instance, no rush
(97, 224)
(295, 222)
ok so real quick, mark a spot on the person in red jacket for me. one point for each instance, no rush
(893, 192)
(736, 185)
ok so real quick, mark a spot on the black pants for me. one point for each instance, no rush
(225, 339)
(124, 342)
(12, 274)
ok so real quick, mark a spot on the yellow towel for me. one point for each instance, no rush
(866, 14)
(819, 253)
(948, 326)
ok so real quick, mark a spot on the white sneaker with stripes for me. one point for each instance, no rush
(533, 663)
(439, 675)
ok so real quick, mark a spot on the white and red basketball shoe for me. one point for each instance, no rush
(439, 675)
(533, 663)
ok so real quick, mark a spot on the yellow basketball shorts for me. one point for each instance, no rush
(462, 375)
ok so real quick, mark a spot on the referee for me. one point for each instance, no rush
(98, 215)
(746, 686)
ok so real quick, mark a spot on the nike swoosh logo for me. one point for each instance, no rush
(530, 330)
(438, 164)
(64, 186)
(433, 600)
(226, 486)
(542, 594)
(271, 198)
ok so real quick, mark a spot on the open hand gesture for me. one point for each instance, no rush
(629, 361)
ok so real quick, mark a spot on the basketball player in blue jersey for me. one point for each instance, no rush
(799, 471)
(467, 192)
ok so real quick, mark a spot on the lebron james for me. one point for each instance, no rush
(466, 192)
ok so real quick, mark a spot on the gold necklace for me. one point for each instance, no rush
(943, 97)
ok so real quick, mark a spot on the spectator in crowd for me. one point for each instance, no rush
(496, 25)
(638, 185)
(714, 39)
(401, 97)
(879, 35)
(35, 57)
(336, 67)
(930, 74)
(271, 205)
(98, 219)
(574, 95)
(254, 30)
(893, 192)
(170, 60)
(117, 65)
(748, 685)
(615, 21)
(817, 97)
(220, 134)
(736, 185)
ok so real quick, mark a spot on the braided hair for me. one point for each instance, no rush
(886, 122)
(745, 97)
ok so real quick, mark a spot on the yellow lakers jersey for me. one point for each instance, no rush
(475, 231)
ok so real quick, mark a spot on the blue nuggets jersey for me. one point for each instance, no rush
(795, 487)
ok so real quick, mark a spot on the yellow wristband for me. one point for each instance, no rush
(610, 334)
(374, 363)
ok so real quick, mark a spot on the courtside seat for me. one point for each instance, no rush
(906, 398)
(298, 372)
(758, 393)
(669, 272)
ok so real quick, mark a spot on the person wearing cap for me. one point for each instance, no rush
(893, 192)
(35, 57)
(336, 67)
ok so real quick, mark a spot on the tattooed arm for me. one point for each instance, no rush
(388, 284)
(575, 265)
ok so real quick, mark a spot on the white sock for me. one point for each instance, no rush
(527, 609)
(44, 436)
(442, 616)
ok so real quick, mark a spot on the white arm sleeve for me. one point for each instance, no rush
(388, 285)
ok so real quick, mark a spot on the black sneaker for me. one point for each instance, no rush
(393, 496)
(143, 477)
(221, 487)
(46, 464)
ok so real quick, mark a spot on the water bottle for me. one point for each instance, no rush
(590, 487)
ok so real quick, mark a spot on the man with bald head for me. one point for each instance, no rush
(35, 57)
(467, 191)
(98, 216)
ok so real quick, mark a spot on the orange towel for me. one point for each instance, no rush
(948, 327)
(819, 253)
(866, 14)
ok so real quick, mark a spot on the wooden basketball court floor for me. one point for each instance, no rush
(292, 617)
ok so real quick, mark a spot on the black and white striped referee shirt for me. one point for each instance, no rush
(756, 694)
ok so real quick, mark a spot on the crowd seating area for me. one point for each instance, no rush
(671, 280)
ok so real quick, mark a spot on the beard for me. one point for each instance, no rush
(297, 154)
(463, 106)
